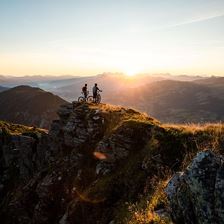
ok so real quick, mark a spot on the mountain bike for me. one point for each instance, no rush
(90, 99)
(82, 98)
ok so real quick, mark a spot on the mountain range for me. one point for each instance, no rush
(172, 99)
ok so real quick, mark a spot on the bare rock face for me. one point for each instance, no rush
(21, 155)
(196, 195)
(120, 144)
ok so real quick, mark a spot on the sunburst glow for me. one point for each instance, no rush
(131, 73)
(131, 70)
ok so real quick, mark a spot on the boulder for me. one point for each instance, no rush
(196, 195)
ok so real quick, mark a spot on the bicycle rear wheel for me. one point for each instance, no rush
(81, 99)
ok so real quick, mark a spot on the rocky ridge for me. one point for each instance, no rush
(56, 175)
(97, 164)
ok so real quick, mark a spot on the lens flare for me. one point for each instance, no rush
(100, 155)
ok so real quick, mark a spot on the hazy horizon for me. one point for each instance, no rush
(107, 73)
(84, 38)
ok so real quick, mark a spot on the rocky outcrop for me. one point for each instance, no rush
(101, 164)
(196, 195)
(123, 141)
(60, 174)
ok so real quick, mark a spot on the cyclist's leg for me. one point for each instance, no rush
(94, 97)
(85, 95)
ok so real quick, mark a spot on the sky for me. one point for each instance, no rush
(88, 37)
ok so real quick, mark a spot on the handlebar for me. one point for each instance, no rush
(86, 92)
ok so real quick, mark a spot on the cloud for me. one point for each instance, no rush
(197, 20)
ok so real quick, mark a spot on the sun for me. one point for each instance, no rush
(131, 72)
(131, 68)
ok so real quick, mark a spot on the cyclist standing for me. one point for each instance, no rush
(95, 89)
(84, 90)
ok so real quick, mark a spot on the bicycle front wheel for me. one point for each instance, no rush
(90, 99)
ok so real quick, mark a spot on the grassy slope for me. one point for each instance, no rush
(170, 149)
(17, 129)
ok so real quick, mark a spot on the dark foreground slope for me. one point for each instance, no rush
(29, 106)
(101, 164)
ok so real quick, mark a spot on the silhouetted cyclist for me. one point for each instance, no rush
(95, 90)
(84, 90)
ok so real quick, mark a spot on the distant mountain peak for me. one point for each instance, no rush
(29, 105)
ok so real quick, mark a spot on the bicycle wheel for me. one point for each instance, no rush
(98, 98)
(90, 99)
(81, 99)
